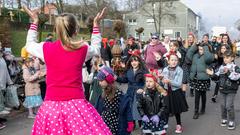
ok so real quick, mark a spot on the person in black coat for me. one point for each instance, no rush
(152, 108)
(131, 46)
(105, 52)
(113, 105)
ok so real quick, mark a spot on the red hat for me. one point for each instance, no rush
(171, 53)
(151, 76)
(111, 42)
(104, 40)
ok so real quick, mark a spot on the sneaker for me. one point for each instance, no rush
(178, 129)
(231, 125)
(214, 98)
(202, 112)
(195, 116)
(224, 123)
(2, 126)
(3, 120)
(4, 112)
(31, 116)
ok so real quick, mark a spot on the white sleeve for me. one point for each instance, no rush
(94, 48)
(32, 45)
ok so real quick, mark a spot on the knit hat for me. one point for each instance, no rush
(106, 73)
(155, 35)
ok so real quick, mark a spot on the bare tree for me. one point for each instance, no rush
(133, 4)
(160, 9)
(59, 6)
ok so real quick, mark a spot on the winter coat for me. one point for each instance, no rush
(32, 86)
(135, 81)
(106, 53)
(95, 90)
(199, 62)
(149, 57)
(175, 77)
(151, 104)
(125, 113)
(229, 81)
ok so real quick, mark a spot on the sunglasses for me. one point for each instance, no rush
(155, 38)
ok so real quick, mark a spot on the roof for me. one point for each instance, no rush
(50, 8)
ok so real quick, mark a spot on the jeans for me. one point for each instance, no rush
(198, 95)
(227, 106)
(2, 106)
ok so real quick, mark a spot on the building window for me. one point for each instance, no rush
(177, 34)
(150, 21)
(132, 22)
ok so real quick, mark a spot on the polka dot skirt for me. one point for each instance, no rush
(73, 117)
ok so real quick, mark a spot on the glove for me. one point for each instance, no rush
(145, 118)
(155, 119)
(130, 126)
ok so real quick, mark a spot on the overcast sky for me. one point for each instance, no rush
(217, 12)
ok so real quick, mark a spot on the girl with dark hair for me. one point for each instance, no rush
(200, 81)
(134, 76)
(218, 61)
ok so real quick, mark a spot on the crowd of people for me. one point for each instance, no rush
(78, 85)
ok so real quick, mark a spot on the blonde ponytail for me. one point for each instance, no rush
(66, 25)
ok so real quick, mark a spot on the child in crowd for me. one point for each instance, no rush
(200, 80)
(134, 76)
(113, 106)
(152, 108)
(228, 75)
(172, 81)
(173, 48)
(218, 61)
(95, 90)
(32, 88)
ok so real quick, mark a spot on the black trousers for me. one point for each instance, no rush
(177, 116)
(198, 95)
(86, 90)
(216, 88)
(43, 89)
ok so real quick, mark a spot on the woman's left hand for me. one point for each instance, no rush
(99, 17)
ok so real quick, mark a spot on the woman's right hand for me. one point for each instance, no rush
(32, 13)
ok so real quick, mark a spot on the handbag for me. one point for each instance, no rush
(11, 97)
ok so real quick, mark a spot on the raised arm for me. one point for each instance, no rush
(32, 45)
(94, 48)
